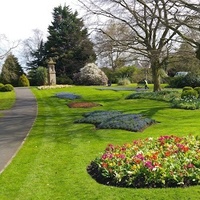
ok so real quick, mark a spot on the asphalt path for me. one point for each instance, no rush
(15, 124)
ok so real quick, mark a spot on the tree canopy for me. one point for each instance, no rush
(11, 71)
(68, 42)
(153, 27)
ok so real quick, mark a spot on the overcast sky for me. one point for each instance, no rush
(19, 17)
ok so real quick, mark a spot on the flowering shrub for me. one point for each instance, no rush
(90, 75)
(168, 161)
(116, 120)
(67, 95)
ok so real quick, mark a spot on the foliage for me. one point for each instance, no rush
(90, 75)
(116, 120)
(124, 81)
(1, 86)
(23, 81)
(191, 79)
(41, 76)
(165, 95)
(7, 88)
(187, 102)
(187, 88)
(198, 90)
(63, 79)
(168, 161)
(11, 71)
(67, 95)
(68, 42)
(189, 93)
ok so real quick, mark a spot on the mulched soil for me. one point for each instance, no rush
(83, 104)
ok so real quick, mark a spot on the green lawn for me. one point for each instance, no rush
(52, 162)
(7, 99)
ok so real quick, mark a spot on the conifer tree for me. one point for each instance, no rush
(11, 70)
(68, 43)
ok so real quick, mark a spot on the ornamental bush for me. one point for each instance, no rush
(189, 93)
(167, 161)
(7, 88)
(23, 81)
(90, 75)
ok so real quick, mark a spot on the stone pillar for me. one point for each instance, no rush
(51, 72)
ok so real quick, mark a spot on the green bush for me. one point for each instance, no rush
(124, 81)
(1, 87)
(8, 88)
(167, 161)
(23, 81)
(187, 88)
(189, 93)
(198, 90)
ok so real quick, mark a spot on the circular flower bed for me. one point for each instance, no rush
(82, 104)
(168, 161)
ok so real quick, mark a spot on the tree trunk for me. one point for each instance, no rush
(155, 65)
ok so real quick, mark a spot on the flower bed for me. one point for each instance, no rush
(82, 105)
(168, 161)
(116, 120)
(67, 95)
(47, 87)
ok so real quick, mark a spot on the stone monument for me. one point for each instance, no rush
(51, 72)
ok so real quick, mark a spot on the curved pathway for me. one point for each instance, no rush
(16, 124)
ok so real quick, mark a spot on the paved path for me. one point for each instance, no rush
(16, 124)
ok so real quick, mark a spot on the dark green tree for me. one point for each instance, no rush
(68, 42)
(38, 57)
(11, 71)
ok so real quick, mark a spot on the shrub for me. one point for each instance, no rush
(198, 90)
(1, 87)
(187, 88)
(189, 93)
(191, 79)
(165, 95)
(23, 81)
(116, 120)
(90, 75)
(167, 161)
(8, 88)
(124, 81)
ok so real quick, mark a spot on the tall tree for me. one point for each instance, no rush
(109, 52)
(68, 42)
(34, 51)
(11, 70)
(153, 27)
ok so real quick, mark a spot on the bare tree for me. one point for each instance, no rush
(107, 47)
(6, 46)
(32, 44)
(153, 26)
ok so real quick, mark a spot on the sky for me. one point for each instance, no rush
(19, 17)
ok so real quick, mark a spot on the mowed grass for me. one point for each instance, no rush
(7, 100)
(52, 162)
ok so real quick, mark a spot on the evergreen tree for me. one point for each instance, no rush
(11, 71)
(68, 43)
(38, 57)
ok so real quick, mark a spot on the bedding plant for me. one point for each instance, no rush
(168, 161)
